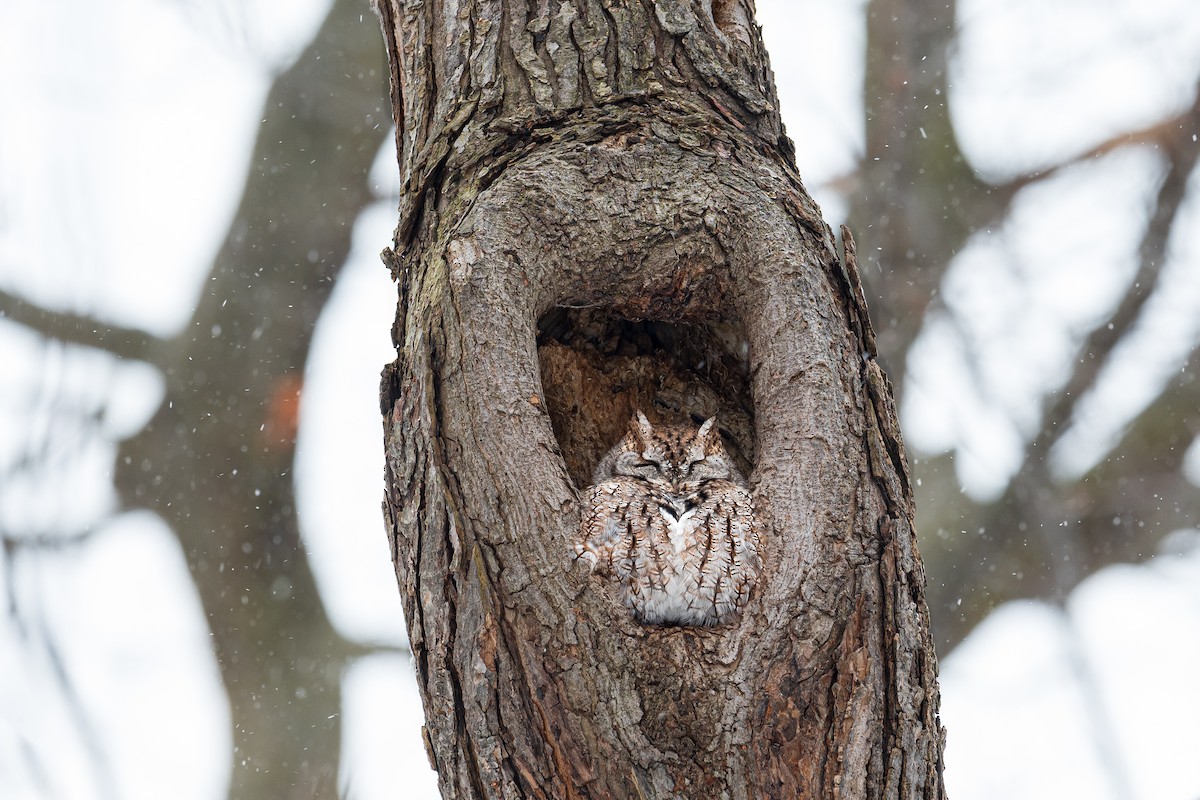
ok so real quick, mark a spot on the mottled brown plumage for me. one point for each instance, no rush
(670, 519)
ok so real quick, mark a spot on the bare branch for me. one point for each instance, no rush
(1016, 547)
(83, 725)
(1103, 729)
(1182, 153)
(65, 326)
(1166, 133)
(42, 542)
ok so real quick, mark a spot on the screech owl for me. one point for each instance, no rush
(670, 519)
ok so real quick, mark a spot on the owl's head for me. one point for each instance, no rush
(673, 456)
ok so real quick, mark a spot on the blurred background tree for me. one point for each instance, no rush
(1079, 486)
(1021, 180)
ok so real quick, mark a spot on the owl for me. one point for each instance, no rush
(670, 519)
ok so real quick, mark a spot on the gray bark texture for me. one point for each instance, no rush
(600, 212)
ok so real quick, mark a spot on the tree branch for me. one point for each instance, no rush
(1166, 133)
(1182, 153)
(1118, 512)
(64, 326)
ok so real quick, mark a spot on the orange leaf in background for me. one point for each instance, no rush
(282, 418)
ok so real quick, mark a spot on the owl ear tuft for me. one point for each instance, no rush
(641, 426)
(709, 435)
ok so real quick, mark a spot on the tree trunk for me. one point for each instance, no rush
(600, 212)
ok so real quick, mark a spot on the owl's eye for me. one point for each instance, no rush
(638, 465)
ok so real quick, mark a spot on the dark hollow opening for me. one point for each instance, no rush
(598, 368)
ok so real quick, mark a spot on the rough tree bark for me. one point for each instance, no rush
(600, 211)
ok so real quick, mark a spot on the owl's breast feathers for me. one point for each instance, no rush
(682, 555)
